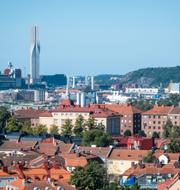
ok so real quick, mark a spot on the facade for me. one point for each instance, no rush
(174, 116)
(34, 56)
(109, 119)
(131, 117)
(154, 119)
(121, 160)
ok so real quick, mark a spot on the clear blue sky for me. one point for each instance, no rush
(91, 36)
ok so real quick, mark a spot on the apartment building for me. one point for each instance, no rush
(66, 110)
(154, 119)
(131, 117)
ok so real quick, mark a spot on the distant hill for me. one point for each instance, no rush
(147, 77)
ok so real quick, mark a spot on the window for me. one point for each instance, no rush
(154, 122)
(149, 127)
(154, 127)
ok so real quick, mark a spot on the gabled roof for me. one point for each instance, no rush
(122, 108)
(158, 110)
(102, 152)
(27, 113)
(175, 110)
(152, 169)
(125, 154)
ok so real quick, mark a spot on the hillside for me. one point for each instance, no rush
(148, 77)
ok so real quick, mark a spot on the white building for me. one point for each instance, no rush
(34, 56)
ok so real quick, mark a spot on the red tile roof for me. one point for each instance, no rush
(27, 113)
(158, 110)
(175, 110)
(122, 108)
(152, 169)
(168, 183)
(74, 161)
(45, 114)
(124, 154)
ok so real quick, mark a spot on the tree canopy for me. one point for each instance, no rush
(67, 127)
(54, 130)
(91, 177)
(79, 126)
(96, 137)
(127, 133)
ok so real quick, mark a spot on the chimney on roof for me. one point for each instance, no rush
(5, 169)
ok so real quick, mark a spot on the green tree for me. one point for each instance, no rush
(26, 128)
(67, 127)
(127, 133)
(79, 126)
(91, 123)
(150, 158)
(112, 186)
(96, 137)
(91, 177)
(155, 135)
(175, 131)
(12, 125)
(167, 129)
(54, 130)
(174, 146)
(4, 116)
(141, 133)
(39, 130)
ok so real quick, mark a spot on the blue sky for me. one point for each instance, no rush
(91, 36)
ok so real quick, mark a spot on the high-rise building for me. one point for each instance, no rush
(34, 56)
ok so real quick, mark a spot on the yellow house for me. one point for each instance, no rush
(122, 159)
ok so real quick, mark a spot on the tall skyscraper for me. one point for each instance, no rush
(34, 56)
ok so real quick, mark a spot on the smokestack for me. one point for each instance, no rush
(67, 87)
(73, 82)
(82, 99)
(92, 83)
(78, 98)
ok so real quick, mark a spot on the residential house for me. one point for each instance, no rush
(121, 160)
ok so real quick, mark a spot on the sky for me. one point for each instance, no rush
(90, 37)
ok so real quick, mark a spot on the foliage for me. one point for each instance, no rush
(172, 100)
(12, 125)
(127, 133)
(150, 158)
(54, 130)
(67, 127)
(79, 126)
(174, 146)
(96, 137)
(91, 177)
(26, 128)
(4, 116)
(112, 186)
(39, 130)
(91, 123)
(167, 129)
(175, 131)
(155, 135)
(143, 105)
(141, 133)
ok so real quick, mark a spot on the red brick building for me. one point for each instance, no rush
(131, 117)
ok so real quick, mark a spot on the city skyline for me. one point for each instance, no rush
(92, 37)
